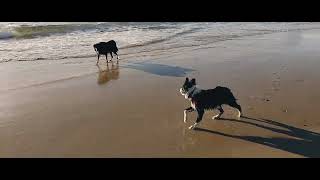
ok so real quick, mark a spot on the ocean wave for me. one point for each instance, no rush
(33, 31)
(159, 40)
(198, 41)
(25, 31)
(132, 38)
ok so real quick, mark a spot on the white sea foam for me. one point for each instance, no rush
(54, 40)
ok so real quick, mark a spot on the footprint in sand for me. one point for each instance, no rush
(275, 85)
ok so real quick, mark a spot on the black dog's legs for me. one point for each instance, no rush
(199, 118)
(107, 57)
(189, 109)
(111, 55)
(116, 54)
(98, 58)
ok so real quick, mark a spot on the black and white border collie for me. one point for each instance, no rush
(210, 99)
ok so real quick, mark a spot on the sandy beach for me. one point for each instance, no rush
(134, 109)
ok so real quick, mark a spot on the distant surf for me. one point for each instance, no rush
(32, 41)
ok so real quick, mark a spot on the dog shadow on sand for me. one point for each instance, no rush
(303, 142)
(160, 69)
(107, 74)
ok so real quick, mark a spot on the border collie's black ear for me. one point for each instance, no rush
(187, 79)
(193, 81)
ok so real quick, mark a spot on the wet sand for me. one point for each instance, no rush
(76, 109)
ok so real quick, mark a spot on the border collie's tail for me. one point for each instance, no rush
(230, 98)
(227, 92)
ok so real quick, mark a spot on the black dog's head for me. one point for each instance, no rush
(187, 86)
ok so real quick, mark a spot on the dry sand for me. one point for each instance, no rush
(76, 109)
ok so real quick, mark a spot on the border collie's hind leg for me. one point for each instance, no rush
(234, 104)
(189, 109)
(200, 115)
(219, 115)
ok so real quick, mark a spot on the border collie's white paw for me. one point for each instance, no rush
(193, 126)
(214, 117)
(239, 114)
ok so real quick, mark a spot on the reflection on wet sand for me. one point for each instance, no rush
(160, 69)
(107, 74)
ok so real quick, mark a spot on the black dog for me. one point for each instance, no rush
(210, 99)
(105, 48)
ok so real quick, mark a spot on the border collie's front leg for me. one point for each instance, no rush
(189, 109)
(200, 115)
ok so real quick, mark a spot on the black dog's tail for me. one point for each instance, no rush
(95, 49)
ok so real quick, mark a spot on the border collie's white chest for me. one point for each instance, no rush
(193, 105)
(188, 95)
